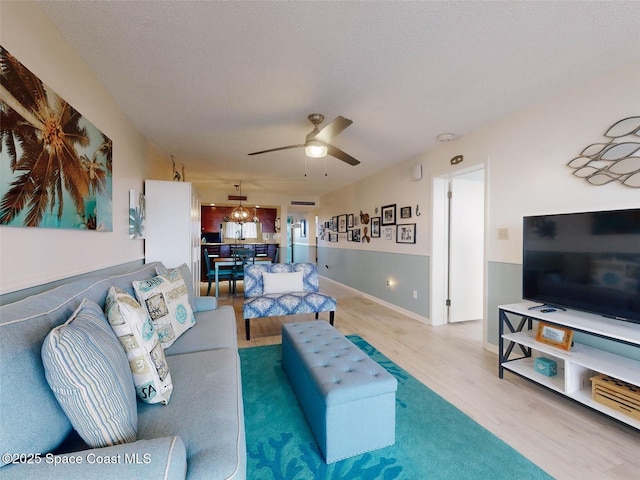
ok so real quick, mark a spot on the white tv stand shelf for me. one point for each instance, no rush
(576, 366)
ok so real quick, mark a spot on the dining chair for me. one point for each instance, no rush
(211, 273)
(240, 260)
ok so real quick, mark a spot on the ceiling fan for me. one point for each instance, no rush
(316, 144)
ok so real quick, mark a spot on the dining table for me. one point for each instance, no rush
(230, 262)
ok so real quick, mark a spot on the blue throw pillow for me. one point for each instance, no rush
(88, 371)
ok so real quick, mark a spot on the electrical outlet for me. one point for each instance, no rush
(503, 234)
(415, 294)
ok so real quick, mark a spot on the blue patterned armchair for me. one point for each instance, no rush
(304, 298)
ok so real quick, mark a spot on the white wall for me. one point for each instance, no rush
(32, 256)
(529, 152)
(526, 155)
(391, 186)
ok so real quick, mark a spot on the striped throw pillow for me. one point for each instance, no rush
(89, 375)
(135, 330)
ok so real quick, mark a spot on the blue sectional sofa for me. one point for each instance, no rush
(199, 434)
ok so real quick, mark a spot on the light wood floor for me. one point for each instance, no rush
(567, 440)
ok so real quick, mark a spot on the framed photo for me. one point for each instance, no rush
(406, 233)
(375, 227)
(350, 236)
(334, 224)
(342, 223)
(355, 235)
(389, 215)
(350, 220)
(388, 233)
(333, 237)
(405, 212)
(554, 335)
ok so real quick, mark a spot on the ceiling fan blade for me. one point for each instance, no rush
(340, 155)
(333, 129)
(276, 149)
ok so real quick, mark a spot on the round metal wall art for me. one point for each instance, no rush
(616, 160)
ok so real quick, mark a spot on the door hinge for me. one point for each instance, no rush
(449, 194)
(448, 303)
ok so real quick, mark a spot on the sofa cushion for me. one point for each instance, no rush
(205, 411)
(166, 299)
(135, 330)
(280, 304)
(214, 329)
(159, 458)
(88, 372)
(40, 424)
(282, 282)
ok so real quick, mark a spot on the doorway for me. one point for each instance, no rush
(458, 247)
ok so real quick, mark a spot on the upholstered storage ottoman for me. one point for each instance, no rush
(348, 399)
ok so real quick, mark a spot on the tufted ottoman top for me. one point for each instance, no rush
(340, 370)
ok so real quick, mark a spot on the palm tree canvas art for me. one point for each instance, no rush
(55, 165)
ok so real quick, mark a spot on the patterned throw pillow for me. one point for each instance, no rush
(166, 299)
(185, 271)
(88, 373)
(137, 334)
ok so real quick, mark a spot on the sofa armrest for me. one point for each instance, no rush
(160, 458)
(202, 304)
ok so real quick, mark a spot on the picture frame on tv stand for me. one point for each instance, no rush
(554, 335)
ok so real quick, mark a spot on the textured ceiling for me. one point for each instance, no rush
(210, 82)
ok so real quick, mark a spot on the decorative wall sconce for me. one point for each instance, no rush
(602, 163)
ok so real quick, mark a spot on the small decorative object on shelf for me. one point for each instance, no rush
(554, 335)
(546, 366)
(614, 393)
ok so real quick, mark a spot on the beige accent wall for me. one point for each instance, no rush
(32, 256)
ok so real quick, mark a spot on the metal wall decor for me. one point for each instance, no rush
(616, 160)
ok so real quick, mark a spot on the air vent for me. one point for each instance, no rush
(300, 202)
(238, 198)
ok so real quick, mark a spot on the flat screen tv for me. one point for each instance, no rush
(586, 261)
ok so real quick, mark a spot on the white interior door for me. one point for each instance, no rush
(466, 247)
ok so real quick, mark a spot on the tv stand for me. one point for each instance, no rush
(576, 366)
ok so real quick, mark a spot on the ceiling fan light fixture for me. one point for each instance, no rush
(315, 149)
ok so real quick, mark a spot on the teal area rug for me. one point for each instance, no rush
(434, 440)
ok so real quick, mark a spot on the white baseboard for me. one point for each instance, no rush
(396, 308)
